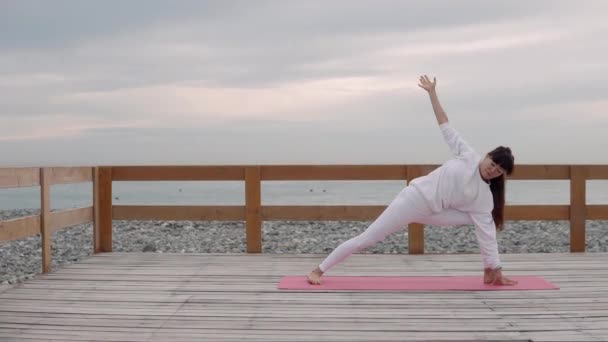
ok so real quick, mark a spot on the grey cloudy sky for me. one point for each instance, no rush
(290, 82)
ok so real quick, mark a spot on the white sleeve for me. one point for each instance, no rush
(485, 230)
(457, 144)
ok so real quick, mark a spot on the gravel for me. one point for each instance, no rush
(21, 259)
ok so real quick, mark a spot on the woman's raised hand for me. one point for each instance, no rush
(426, 84)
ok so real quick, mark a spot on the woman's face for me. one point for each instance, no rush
(489, 169)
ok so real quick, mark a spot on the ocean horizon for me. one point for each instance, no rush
(554, 192)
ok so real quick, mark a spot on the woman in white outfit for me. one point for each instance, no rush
(468, 189)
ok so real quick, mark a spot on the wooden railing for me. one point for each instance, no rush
(254, 213)
(46, 222)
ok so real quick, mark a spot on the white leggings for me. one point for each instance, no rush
(408, 207)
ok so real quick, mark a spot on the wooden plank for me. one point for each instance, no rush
(333, 172)
(270, 324)
(394, 172)
(421, 170)
(179, 213)
(537, 212)
(46, 232)
(19, 177)
(544, 172)
(5, 288)
(103, 235)
(597, 172)
(597, 212)
(177, 173)
(253, 203)
(13, 177)
(321, 213)
(577, 208)
(69, 175)
(19, 228)
(70, 217)
(312, 213)
(415, 231)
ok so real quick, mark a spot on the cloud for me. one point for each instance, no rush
(34, 25)
(159, 106)
(52, 126)
(168, 72)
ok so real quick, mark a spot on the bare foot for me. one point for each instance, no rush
(495, 277)
(314, 277)
(488, 276)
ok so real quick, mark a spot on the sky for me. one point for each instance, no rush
(299, 82)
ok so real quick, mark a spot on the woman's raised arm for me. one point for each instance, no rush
(426, 84)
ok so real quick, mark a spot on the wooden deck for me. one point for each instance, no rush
(233, 297)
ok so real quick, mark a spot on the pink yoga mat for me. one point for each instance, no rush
(393, 283)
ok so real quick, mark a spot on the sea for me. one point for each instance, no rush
(67, 196)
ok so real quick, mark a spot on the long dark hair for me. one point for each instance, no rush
(503, 157)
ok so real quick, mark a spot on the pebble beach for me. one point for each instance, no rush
(21, 259)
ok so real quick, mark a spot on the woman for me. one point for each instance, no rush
(465, 190)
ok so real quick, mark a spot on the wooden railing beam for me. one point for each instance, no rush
(103, 228)
(577, 208)
(45, 218)
(253, 203)
(415, 231)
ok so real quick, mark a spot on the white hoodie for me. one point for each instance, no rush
(457, 184)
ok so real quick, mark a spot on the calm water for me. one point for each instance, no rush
(277, 193)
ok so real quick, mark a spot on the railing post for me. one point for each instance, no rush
(577, 208)
(45, 215)
(415, 231)
(253, 204)
(102, 237)
(96, 229)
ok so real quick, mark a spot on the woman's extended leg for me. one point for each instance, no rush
(407, 207)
